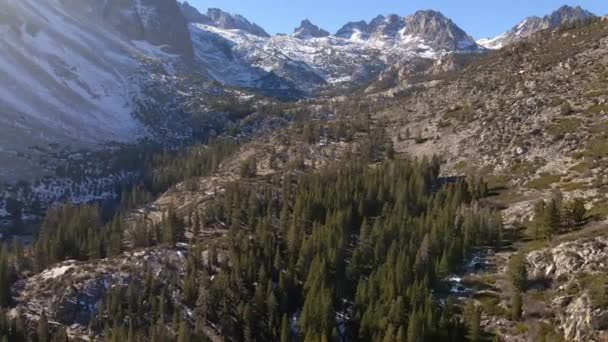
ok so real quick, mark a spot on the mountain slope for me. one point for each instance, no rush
(531, 25)
(74, 71)
(534, 114)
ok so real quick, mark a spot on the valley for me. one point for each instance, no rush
(177, 175)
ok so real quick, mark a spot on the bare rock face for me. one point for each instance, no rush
(192, 15)
(229, 21)
(572, 267)
(160, 22)
(569, 258)
(388, 26)
(580, 321)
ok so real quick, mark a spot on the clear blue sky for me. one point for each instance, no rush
(480, 18)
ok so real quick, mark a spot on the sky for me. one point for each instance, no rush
(479, 18)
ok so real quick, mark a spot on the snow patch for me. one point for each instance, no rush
(55, 272)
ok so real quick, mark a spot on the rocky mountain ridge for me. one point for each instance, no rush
(531, 25)
(217, 18)
(312, 59)
(126, 42)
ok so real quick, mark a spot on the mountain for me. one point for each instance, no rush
(435, 28)
(519, 129)
(308, 30)
(531, 25)
(429, 26)
(458, 193)
(312, 59)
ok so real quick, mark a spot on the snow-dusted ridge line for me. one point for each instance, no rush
(531, 25)
(240, 58)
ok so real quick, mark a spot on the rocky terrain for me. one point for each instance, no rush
(53, 49)
(75, 305)
(530, 115)
(575, 269)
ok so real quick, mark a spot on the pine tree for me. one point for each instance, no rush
(517, 271)
(15, 209)
(414, 328)
(575, 212)
(42, 329)
(5, 279)
(473, 320)
(553, 219)
(183, 334)
(172, 228)
(516, 305)
(547, 219)
(285, 330)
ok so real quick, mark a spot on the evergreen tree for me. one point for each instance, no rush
(42, 329)
(183, 334)
(285, 330)
(516, 305)
(517, 272)
(575, 212)
(473, 320)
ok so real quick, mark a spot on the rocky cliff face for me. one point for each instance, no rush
(435, 28)
(159, 22)
(192, 14)
(229, 21)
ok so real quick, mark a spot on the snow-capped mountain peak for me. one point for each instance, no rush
(229, 21)
(311, 58)
(437, 29)
(354, 30)
(533, 24)
(308, 30)
(223, 20)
